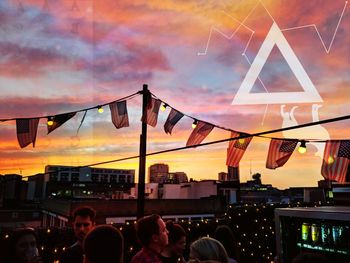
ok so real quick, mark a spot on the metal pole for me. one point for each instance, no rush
(142, 159)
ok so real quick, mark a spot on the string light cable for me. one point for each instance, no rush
(98, 107)
(260, 134)
(243, 136)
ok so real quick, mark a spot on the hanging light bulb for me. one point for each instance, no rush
(241, 141)
(50, 121)
(330, 160)
(194, 124)
(163, 108)
(100, 109)
(302, 147)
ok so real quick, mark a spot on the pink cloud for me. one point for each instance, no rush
(20, 61)
(18, 107)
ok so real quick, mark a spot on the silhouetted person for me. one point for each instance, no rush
(207, 249)
(83, 222)
(225, 235)
(103, 244)
(173, 252)
(153, 236)
(22, 247)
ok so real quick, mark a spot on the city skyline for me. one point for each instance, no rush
(63, 56)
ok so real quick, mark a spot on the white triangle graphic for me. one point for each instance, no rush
(310, 94)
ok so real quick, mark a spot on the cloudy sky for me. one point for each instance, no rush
(66, 55)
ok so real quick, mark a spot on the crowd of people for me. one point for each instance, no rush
(161, 242)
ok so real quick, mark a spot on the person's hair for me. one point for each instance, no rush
(310, 258)
(226, 237)
(104, 244)
(20, 232)
(207, 248)
(146, 227)
(15, 236)
(175, 232)
(85, 211)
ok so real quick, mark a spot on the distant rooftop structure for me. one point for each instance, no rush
(231, 175)
(61, 173)
(159, 173)
(85, 182)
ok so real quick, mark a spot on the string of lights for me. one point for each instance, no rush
(243, 136)
(165, 105)
(195, 120)
(98, 107)
(252, 224)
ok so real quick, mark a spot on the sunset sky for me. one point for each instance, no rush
(66, 55)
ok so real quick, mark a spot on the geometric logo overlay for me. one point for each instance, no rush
(309, 93)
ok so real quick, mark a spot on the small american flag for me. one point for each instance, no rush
(26, 131)
(173, 118)
(236, 149)
(336, 160)
(199, 133)
(279, 152)
(151, 117)
(119, 114)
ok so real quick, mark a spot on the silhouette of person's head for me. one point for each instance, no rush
(225, 235)
(103, 244)
(177, 237)
(152, 233)
(207, 248)
(22, 245)
(83, 222)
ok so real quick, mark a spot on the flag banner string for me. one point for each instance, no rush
(263, 134)
(80, 110)
(259, 134)
(242, 136)
(280, 149)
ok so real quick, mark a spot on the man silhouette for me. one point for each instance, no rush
(103, 244)
(153, 236)
(83, 222)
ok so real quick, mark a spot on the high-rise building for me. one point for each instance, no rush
(36, 187)
(181, 177)
(233, 174)
(60, 173)
(222, 176)
(13, 185)
(158, 173)
(176, 178)
(86, 182)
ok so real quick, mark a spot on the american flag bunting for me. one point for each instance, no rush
(152, 112)
(26, 131)
(236, 149)
(173, 118)
(336, 160)
(119, 114)
(279, 152)
(199, 133)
